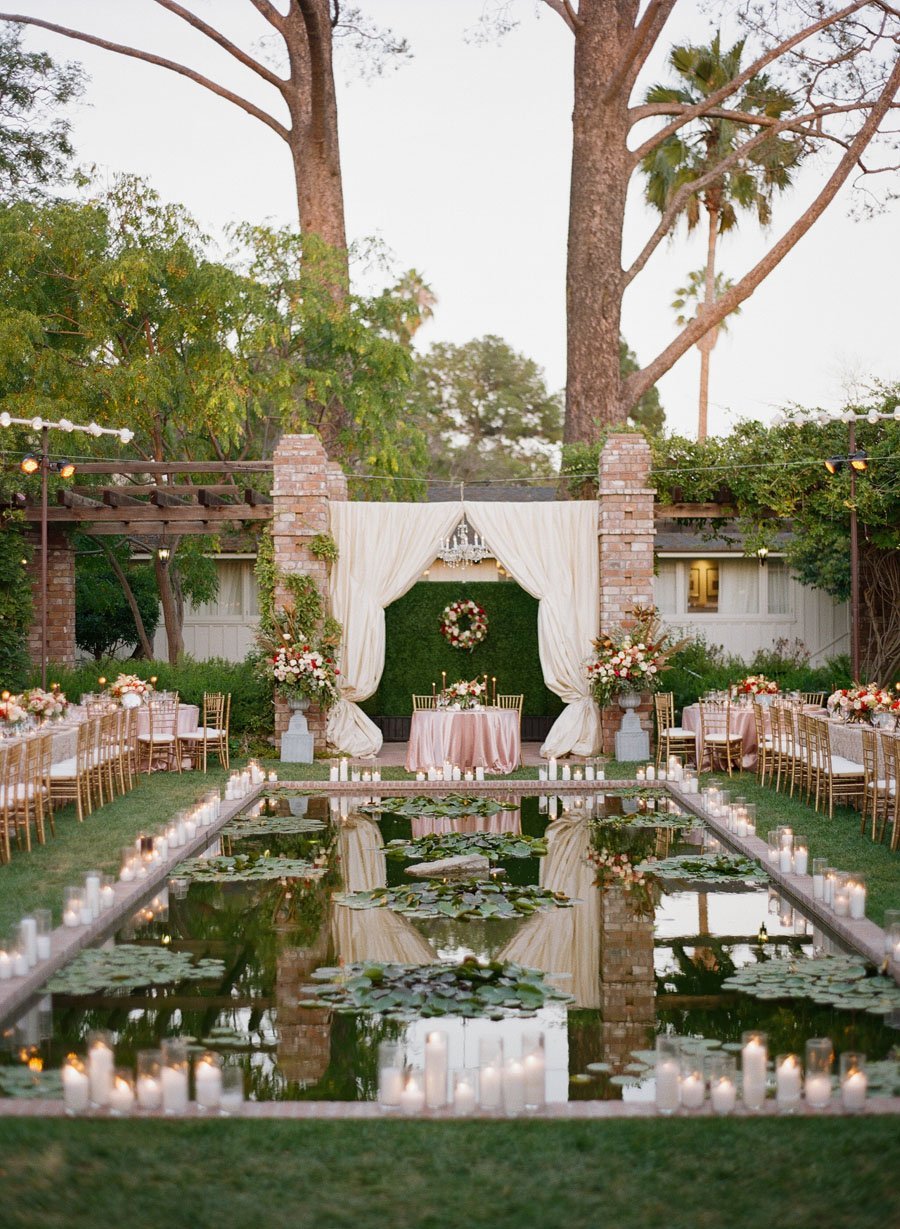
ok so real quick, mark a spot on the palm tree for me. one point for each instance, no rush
(688, 154)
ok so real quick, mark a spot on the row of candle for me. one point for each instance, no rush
(162, 1081)
(349, 770)
(683, 1074)
(239, 784)
(138, 859)
(568, 772)
(673, 770)
(83, 904)
(511, 1086)
(844, 893)
(28, 944)
(790, 852)
(450, 772)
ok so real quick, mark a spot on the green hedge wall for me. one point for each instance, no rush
(417, 652)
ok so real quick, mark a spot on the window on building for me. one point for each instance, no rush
(740, 587)
(665, 587)
(229, 603)
(778, 576)
(703, 586)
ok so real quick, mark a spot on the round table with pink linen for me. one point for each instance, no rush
(741, 724)
(469, 738)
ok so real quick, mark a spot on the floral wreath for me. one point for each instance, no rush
(469, 636)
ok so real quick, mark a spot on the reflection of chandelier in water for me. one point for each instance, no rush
(458, 552)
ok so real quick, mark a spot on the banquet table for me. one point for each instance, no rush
(469, 738)
(742, 724)
(188, 719)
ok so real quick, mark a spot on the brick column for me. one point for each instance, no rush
(626, 545)
(303, 483)
(627, 976)
(60, 600)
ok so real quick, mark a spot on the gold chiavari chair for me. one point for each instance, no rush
(725, 749)
(814, 699)
(807, 750)
(419, 703)
(671, 739)
(839, 780)
(11, 757)
(515, 702)
(212, 733)
(764, 744)
(33, 802)
(72, 780)
(158, 748)
(875, 788)
(890, 751)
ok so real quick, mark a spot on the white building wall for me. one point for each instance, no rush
(226, 627)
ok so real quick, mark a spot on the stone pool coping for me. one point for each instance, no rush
(258, 1110)
(66, 941)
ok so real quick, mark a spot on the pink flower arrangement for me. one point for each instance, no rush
(44, 705)
(631, 660)
(758, 685)
(464, 693)
(860, 703)
(129, 685)
(11, 711)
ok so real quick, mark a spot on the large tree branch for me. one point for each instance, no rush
(125, 585)
(637, 384)
(272, 15)
(566, 12)
(226, 44)
(149, 58)
(768, 57)
(646, 32)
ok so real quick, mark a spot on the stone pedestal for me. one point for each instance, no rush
(296, 741)
(632, 743)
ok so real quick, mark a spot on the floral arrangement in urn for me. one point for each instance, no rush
(464, 693)
(860, 703)
(45, 705)
(632, 659)
(301, 667)
(129, 690)
(11, 710)
(757, 685)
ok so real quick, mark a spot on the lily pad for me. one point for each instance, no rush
(452, 806)
(23, 1084)
(497, 846)
(466, 899)
(841, 982)
(246, 866)
(131, 967)
(705, 868)
(274, 825)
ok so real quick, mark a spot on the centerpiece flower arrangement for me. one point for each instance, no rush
(302, 667)
(757, 685)
(11, 710)
(632, 659)
(464, 693)
(130, 690)
(860, 703)
(45, 705)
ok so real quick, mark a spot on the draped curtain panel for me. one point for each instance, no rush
(383, 549)
(551, 550)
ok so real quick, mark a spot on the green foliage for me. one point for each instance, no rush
(417, 652)
(485, 411)
(323, 546)
(843, 982)
(131, 967)
(246, 866)
(34, 144)
(692, 868)
(15, 606)
(251, 696)
(468, 899)
(306, 600)
(266, 575)
(496, 846)
(453, 806)
(104, 623)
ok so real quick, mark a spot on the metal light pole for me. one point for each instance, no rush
(45, 466)
(854, 558)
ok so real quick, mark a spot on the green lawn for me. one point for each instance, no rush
(362, 1175)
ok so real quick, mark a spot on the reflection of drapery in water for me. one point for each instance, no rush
(371, 934)
(441, 825)
(565, 940)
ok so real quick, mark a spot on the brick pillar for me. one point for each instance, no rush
(303, 483)
(627, 976)
(60, 599)
(626, 545)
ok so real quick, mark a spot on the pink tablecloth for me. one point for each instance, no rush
(487, 738)
(188, 718)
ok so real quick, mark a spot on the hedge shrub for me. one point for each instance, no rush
(417, 652)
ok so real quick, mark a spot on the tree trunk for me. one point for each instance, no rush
(599, 185)
(122, 577)
(706, 343)
(169, 603)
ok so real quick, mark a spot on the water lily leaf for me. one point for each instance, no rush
(246, 866)
(131, 967)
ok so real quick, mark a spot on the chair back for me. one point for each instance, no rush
(715, 719)
(214, 703)
(511, 701)
(813, 698)
(422, 702)
(87, 752)
(890, 753)
(869, 758)
(759, 723)
(163, 718)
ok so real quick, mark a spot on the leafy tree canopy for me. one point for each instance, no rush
(104, 623)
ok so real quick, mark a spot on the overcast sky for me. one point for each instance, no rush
(459, 162)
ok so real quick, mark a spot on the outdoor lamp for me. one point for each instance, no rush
(164, 554)
(30, 464)
(859, 460)
(762, 555)
(65, 469)
(834, 464)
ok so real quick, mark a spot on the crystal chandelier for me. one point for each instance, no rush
(458, 552)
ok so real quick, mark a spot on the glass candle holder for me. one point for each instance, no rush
(819, 866)
(464, 1092)
(829, 877)
(854, 1082)
(841, 902)
(208, 1081)
(92, 882)
(891, 920)
(788, 1083)
(436, 1069)
(513, 1087)
(129, 864)
(856, 886)
(27, 941)
(174, 1076)
(786, 853)
(107, 893)
(774, 846)
(232, 1090)
(819, 1059)
(693, 1079)
(490, 1073)
(101, 1065)
(121, 1094)
(412, 1098)
(148, 1088)
(76, 1085)
(390, 1074)
(801, 855)
(754, 1060)
(72, 902)
(722, 1083)
(535, 1063)
(893, 942)
(668, 1075)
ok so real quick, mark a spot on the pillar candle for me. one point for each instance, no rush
(551, 768)
(390, 1086)
(785, 860)
(412, 1099)
(208, 1083)
(753, 1067)
(436, 1070)
(149, 1092)
(174, 1089)
(853, 1091)
(28, 937)
(464, 1097)
(693, 1091)
(857, 900)
(566, 774)
(333, 772)
(121, 1096)
(535, 1079)
(801, 860)
(101, 1062)
(513, 1087)
(479, 773)
(589, 772)
(668, 1080)
(788, 1084)
(723, 1095)
(107, 897)
(818, 1091)
(6, 966)
(76, 1086)
(489, 1087)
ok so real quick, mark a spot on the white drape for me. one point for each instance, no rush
(382, 550)
(551, 550)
